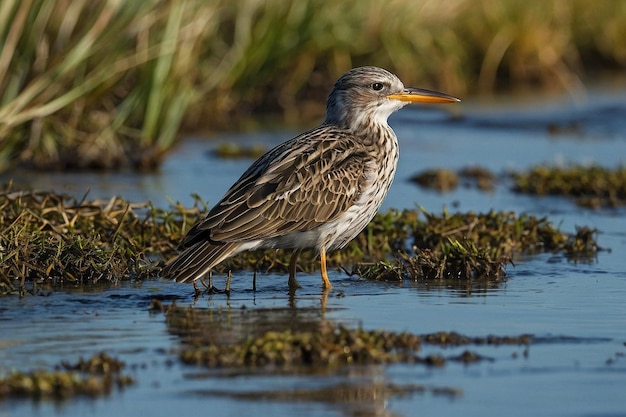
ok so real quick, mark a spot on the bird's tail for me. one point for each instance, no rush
(196, 261)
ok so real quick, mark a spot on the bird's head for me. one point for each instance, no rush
(368, 95)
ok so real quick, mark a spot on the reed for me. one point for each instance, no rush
(109, 83)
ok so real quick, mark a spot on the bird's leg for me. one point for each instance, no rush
(293, 283)
(196, 291)
(323, 300)
(292, 298)
(227, 289)
(326, 282)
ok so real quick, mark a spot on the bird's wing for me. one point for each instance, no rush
(299, 185)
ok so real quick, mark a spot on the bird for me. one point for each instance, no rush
(318, 190)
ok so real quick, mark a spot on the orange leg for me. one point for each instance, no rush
(293, 283)
(323, 300)
(326, 282)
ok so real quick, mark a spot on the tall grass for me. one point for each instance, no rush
(107, 83)
(93, 83)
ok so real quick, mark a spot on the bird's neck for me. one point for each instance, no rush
(379, 137)
(359, 124)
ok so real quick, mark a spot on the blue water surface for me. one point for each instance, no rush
(576, 312)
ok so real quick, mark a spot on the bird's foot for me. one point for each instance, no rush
(210, 288)
(293, 283)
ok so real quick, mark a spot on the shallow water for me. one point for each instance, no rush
(576, 365)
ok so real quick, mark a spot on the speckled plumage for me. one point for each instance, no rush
(315, 191)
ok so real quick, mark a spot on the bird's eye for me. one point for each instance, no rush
(377, 86)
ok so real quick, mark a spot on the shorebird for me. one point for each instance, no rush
(318, 190)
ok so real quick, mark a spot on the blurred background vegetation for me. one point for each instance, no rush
(114, 83)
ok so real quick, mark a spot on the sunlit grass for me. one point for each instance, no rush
(109, 83)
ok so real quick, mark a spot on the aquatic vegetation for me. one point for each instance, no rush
(46, 238)
(439, 179)
(479, 177)
(444, 180)
(328, 346)
(51, 238)
(102, 84)
(93, 377)
(234, 150)
(477, 246)
(590, 186)
(239, 339)
(500, 234)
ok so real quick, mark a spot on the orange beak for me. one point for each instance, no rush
(419, 95)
